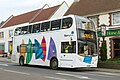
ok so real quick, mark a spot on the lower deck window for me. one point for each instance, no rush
(68, 47)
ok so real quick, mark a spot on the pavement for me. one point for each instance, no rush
(7, 59)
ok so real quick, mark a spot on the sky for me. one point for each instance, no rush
(16, 7)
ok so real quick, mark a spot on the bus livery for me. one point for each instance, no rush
(68, 42)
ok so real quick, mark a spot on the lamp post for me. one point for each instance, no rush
(103, 31)
(103, 48)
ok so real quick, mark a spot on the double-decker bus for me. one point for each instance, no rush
(69, 42)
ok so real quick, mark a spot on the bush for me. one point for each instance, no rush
(103, 51)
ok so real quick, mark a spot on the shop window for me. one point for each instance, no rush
(116, 47)
(68, 47)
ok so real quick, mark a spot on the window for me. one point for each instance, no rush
(30, 29)
(2, 46)
(67, 23)
(45, 26)
(1, 34)
(18, 31)
(94, 19)
(36, 28)
(10, 33)
(22, 48)
(18, 49)
(68, 47)
(30, 48)
(24, 30)
(56, 24)
(116, 18)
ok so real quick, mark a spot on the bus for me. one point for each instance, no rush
(67, 42)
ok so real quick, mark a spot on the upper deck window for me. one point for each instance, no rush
(56, 24)
(18, 31)
(36, 28)
(67, 22)
(24, 30)
(45, 26)
(30, 29)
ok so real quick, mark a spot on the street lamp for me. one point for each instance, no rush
(103, 31)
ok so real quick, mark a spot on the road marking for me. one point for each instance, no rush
(106, 73)
(54, 78)
(76, 76)
(3, 64)
(89, 73)
(16, 72)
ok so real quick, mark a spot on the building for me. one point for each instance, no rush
(46, 12)
(102, 12)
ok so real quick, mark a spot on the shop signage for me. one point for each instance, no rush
(111, 33)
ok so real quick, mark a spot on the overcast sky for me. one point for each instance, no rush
(16, 7)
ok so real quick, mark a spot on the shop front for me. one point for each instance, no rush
(114, 45)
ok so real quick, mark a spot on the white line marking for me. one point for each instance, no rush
(54, 78)
(16, 72)
(76, 76)
(106, 73)
(3, 64)
(93, 74)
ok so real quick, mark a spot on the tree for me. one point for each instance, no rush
(103, 51)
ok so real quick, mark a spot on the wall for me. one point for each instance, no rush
(61, 11)
(104, 19)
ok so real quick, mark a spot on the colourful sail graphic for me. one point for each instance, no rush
(38, 50)
(52, 50)
(23, 49)
(43, 45)
(29, 51)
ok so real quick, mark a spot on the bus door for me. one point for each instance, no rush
(68, 50)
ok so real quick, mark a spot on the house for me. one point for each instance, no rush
(105, 12)
(7, 28)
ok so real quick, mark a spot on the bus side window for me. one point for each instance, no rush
(45, 26)
(29, 29)
(36, 28)
(67, 23)
(23, 48)
(18, 49)
(17, 31)
(24, 30)
(56, 24)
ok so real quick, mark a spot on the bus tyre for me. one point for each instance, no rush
(54, 63)
(21, 61)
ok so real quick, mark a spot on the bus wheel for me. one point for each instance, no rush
(54, 63)
(21, 61)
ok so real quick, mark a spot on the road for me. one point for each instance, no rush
(11, 71)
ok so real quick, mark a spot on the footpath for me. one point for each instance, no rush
(8, 60)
